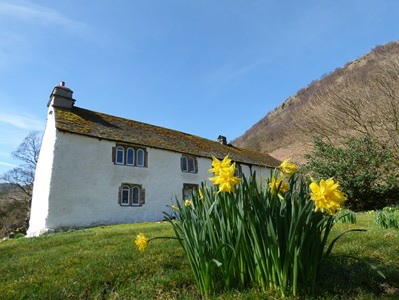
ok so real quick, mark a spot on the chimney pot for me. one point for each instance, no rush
(222, 139)
(61, 97)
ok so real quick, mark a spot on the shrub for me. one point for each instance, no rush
(366, 170)
(19, 235)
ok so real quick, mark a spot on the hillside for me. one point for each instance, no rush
(361, 97)
(14, 209)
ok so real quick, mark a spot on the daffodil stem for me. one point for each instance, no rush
(163, 238)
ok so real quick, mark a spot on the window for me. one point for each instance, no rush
(129, 156)
(184, 164)
(188, 189)
(120, 155)
(125, 195)
(140, 157)
(191, 165)
(188, 164)
(131, 195)
(238, 170)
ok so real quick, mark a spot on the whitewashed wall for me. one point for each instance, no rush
(43, 175)
(77, 184)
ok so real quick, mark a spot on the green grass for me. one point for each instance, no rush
(102, 263)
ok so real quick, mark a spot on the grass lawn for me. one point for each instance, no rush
(102, 263)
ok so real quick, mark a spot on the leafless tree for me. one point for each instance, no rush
(23, 176)
(19, 182)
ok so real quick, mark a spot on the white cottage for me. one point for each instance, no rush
(97, 169)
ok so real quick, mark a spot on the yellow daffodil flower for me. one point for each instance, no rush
(224, 174)
(279, 186)
(188, 203)
(327, 196)
(141, 242)
(218, 165)
(288, 168)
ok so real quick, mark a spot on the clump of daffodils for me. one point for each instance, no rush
(225, 224)
(224, 174)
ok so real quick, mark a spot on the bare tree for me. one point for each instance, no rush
(19, 182)
(23, 176)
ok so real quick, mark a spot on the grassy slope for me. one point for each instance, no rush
(102, 263)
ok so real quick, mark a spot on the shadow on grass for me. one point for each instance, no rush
(350, 278)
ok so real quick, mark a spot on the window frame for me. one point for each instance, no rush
(123, 189)
(189, 187)
(135, 200)
(191, 165)
(117, 151)
(186, 166)
(131, 188)
(127, 151)
(138, 151)
(238, 170)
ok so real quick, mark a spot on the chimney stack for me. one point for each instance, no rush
(222, 140)
(61, 97)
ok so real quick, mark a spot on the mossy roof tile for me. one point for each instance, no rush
(103, 126)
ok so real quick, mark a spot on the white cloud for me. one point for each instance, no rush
(35, 13)
(25, 24)
(22, 121)
(10, 48)
(6, 164)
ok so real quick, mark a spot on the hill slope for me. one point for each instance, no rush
(361, 97)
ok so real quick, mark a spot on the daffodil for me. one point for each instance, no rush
(288, 168)
(188, 203)
(201, 195)
(224, 174)
(279, 186)
(218, 165)
(327, 196)
(141, 242)
(175, 207)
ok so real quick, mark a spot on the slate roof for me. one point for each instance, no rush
(102, 126)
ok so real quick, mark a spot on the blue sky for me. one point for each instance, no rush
(203, 67)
